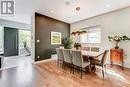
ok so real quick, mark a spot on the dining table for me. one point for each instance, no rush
(89, 55)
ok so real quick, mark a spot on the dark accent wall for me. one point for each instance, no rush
(43, 27)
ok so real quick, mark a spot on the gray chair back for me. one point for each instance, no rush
(77, 58)
(67, 55)
(59, 54)
(104, 56)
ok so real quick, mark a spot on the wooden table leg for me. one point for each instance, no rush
(93, 69)
(122, 65)
(111, 64)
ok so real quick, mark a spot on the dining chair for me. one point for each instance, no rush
(100, 60)
(67, 58)
(78, 61)
(60, 57)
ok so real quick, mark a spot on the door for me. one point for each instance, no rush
(10, 41)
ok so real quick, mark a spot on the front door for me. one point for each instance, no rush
(10, 41)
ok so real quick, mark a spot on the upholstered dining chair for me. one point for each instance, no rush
(60, 57)
(100, 60)
(67, 57)
(78, 61)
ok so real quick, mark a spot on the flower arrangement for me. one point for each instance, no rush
(118, 39)
(77, 46)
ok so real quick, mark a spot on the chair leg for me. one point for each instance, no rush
(90, 68)
(105, 68)
(63, 65)
(73, 69)
(57, 63)
(103, 71)
(81, 73)
(70, 68)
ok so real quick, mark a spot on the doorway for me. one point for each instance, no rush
(24, 42)
(15, 44)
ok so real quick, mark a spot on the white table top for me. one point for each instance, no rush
(90, 53)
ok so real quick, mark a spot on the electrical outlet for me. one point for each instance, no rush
(126, 56)
(38, 57)
(38, 41)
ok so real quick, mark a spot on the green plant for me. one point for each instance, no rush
(118, 38)
(69, 43)
(24, 44)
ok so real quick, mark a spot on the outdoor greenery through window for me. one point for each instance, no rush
(24, 38)
(93, 35)
(1, 38)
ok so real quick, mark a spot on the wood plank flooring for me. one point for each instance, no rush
(15, 61)
(47, 74)
(52, 76)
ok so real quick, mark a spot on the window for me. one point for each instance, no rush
(93, 35)
(1, 39)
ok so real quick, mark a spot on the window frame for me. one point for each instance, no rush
(2, 27)
(89, 30)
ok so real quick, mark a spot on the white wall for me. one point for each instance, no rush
(33, 37)
(14, 24)
(114, 23)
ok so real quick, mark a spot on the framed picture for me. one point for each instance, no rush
(55, 38)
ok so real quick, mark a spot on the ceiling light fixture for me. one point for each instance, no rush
(70, 19)
(108, 5)
(67, 2)
(52, 11)
(77, 8)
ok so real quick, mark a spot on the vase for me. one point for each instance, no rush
(77, 48)
(116, 43)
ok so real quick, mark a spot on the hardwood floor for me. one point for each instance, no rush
(15, 61)
(53, 76)
(21, 76)
(47, 74)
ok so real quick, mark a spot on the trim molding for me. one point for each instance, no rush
(43, 61)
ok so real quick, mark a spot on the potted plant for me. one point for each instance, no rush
(118, 39)
(69, 43)
(24, 44)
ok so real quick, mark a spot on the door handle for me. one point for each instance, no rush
(16, 42)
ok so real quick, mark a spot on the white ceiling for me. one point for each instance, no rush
(59, 10)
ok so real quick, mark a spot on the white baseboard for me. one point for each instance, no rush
(42, 61)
